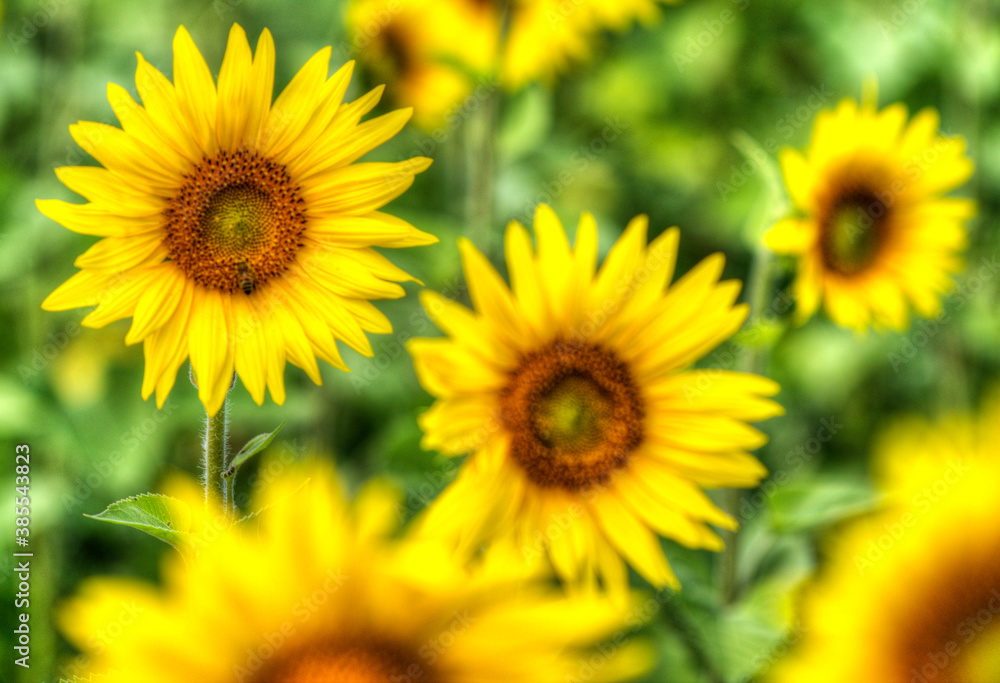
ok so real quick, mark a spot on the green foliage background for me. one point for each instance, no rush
(675, 96)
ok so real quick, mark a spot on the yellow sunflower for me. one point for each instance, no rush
(912, 594)
(321, 592)
(413, 43)
(547, 36)
(873, 232)
(587, 431)
(433, 51)
(237, 231)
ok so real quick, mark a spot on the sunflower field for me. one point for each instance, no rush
(475, 341)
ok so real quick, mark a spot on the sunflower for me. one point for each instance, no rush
(546, 37)
(412, 43)
(237, 231)
(873, 232)
(320, 592)
(571, 392)
(912, 594)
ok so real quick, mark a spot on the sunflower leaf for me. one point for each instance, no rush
(252, 448)
(808, 505)
(166, 518)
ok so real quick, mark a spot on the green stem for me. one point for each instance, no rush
(480, 150)
(751, 360)
(217, 457)
(481, 165)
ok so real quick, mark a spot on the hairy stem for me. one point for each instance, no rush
(217, 457)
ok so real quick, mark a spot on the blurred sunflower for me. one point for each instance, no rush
(546, 37)
(236, 231)
(432, 51)
(320, 592)
(438, 51)
(587, 433)
(874, 232)
(913, 593)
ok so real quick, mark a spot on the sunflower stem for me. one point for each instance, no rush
(753, 358)
(480, 162)
(217, 457)
(480, 149)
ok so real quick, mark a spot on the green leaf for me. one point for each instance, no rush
(253, 447)
(166, 518)
(754, 632)
(810, 504)
(774, 203)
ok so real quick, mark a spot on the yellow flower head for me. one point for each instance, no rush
(236, 231)
(912, 594)
(873, 233)
(571, 391)
(546, 37)
(436, 52)
(319, 591)
(432, 51)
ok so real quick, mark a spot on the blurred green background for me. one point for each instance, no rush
(674, 96)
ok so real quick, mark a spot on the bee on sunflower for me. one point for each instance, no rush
(235, 230)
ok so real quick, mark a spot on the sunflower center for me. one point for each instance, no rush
(397, 50)
(352, 661)
(853, 231)
(236, 222)
(574, 415)
(953, 632)
(236, 218)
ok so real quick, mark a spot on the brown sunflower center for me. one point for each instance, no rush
(574, 415)
(852, 230)
(236, 222)
(397, 50)
(952, 632)
(358, 662)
